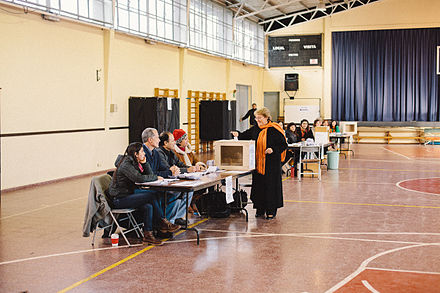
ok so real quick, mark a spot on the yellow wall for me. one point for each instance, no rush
(386, 14)
(48, 81)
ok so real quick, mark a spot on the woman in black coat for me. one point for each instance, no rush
(270, 146)
(304, 132)
(133, 168)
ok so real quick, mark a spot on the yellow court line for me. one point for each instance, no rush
(363, 204)
(395, 170)
(122, 261)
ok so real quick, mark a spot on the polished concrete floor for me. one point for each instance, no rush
(374, 224)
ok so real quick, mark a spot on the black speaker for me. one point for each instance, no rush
(291, 82)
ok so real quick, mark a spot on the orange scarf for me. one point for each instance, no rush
(261, 146)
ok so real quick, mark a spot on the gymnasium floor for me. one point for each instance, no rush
(371, 226)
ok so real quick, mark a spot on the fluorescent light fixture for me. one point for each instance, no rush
(321, 6)
(50, 17)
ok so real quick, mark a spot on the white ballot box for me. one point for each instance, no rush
(234, 154)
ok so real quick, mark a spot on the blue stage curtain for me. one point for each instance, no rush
(385, 75)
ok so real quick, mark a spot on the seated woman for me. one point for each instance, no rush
(334, 127)
(325, 123)
(133, 168)
(291, 133)
(184, 152)
(291, 138)
(304, 132)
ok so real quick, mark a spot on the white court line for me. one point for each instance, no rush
(398, 154)
(403, 271)
(369, 287)
(42, 208)
(247, 235)
(364, 264)
(64, 253)
(329, 233)
(398, 185)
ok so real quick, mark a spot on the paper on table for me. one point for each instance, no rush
(229, 196)
(164, 181)
(188, 183)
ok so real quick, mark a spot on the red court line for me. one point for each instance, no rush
(392, 281)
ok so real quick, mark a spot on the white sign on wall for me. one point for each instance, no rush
(295, 113)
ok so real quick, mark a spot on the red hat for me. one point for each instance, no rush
(179, 135)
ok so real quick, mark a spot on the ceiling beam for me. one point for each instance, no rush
(308, 15)
(267, 9)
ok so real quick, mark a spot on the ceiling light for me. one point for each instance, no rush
(321, 6)
(50, 17)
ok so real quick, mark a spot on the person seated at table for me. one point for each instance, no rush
(133, 168)
(176, 210)
(151, 140)
(281, 124)
(316, 123)
(184, 150)
(291, 133)
(291, 138)
(334, 127)
(304, 132)
(326, 123)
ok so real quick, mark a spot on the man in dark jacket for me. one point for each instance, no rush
(251, 115)
(176, 205)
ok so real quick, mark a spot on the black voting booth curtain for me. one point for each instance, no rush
(385, 75)
(151, 112)
(216, 119)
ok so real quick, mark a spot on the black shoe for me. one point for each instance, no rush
(259, 213)
(180, 222)
(163, 235)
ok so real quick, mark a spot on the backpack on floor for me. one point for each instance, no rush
(235, 205)
(216, 204)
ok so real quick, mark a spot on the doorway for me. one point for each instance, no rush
(272, 102)
(242, 97)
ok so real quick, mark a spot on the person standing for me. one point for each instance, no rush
(251, 115)
(270, 151)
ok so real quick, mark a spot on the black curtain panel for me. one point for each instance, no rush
(152, 112)
(216, 119)
(385, 75)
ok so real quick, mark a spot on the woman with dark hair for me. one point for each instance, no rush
(291, 133)
(304, 132)
(270, 151)
(133, 168)
(334, 126)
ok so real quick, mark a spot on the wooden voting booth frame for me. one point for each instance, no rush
(193, 99)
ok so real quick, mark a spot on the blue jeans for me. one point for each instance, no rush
(144, 200)
(177, 208)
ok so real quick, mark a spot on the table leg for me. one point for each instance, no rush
(186, 218)
(237, 188)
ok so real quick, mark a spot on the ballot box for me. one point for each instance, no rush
(234, 154)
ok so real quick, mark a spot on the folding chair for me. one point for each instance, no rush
(102, 183)
(310, 155)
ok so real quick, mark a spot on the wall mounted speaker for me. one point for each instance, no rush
(291, 82)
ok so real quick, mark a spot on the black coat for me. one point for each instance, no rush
(291, 136)
(308, 134)
(127, 174)
(267, 189)
(251, 115)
